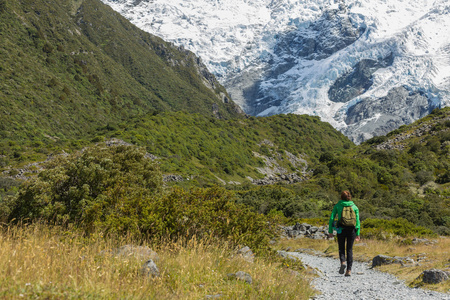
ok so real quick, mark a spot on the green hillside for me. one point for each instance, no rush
(75, 73)
(205, 149)
(402, 175)
(69, 66)
(192, 145)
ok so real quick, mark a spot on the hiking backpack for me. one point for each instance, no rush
(348, 217)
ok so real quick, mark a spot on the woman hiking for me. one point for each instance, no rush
(348, 228)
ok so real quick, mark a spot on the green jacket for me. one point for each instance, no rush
(337, 210)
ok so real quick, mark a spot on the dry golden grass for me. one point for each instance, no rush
(431, 256)
(48, 262)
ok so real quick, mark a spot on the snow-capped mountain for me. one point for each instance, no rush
(366, 67)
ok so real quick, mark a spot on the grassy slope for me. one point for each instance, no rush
(55, 263)
(70, 66)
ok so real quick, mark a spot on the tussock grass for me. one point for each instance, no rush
(51, 262)
(430, 256)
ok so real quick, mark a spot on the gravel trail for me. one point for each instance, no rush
(365, 283)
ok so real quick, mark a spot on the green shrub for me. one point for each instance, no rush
(72, 188)
(210, 212)
(385, 229)
(423, 177)
(376, 140)
(48, 48)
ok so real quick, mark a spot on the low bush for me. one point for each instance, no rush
(88, 186)
(210, 212)
(387, 229)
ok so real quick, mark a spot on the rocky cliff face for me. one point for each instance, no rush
(373, 117)
(358, 80)
(314, 57)
(331, 32)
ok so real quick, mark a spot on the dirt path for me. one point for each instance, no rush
(365, 283)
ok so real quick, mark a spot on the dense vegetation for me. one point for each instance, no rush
(201, 147)
(385, 183)
(405, 174)
(410, 180)
(119, 189)
(194, 145)
(70, 66)
(75, 73)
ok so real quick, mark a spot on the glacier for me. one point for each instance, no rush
(366, 67)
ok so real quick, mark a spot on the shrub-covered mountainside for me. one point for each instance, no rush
(72, 65)
(405, 174)
(402, 175)
(232, 150)
(74, 74)
(201, 150)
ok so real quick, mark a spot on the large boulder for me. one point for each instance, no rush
(434, 276)
(306, 230)
(247, 254)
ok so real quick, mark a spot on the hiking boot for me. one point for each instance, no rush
(342, 269)
(348, 273)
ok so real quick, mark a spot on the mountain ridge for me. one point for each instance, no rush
(240, 47)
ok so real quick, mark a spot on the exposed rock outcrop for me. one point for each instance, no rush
(305, 230)
(173, 178)
(329, 34)
(358, 80)
(320, 39)
(276, 173)
(374, 117)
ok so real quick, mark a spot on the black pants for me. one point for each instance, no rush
(348, 234)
